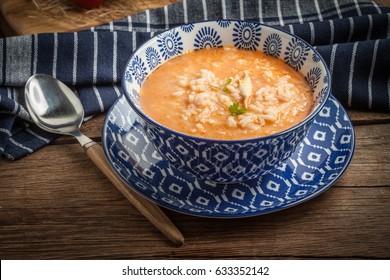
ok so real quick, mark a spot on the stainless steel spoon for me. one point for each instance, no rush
(55, 108)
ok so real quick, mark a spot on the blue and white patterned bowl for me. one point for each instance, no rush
(320, 159)
(226, 160)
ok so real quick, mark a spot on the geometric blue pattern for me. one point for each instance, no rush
(187, 27)
(273, 45)
(224, 23)
(207, 37)
(296, 53)
(316, 164)
(246, 35)
(170, 44)
(152, 57)
(138, 70)
(313, 77)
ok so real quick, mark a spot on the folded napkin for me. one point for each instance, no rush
(352, 36)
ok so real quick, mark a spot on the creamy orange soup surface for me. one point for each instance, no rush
(226, 93)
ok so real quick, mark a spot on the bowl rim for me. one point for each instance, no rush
(151, 121)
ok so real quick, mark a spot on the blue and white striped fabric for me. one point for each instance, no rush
(353, 36)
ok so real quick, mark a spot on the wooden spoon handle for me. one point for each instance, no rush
(150, 210)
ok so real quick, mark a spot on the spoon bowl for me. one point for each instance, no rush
(54, 107)
(57, 113)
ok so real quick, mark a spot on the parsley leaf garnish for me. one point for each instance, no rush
(226, 84)
(223, 87)
(235, 110)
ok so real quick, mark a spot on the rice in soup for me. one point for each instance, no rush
(226, 94)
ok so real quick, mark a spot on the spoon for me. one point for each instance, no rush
(54, 107)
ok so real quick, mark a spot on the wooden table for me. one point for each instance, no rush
(54, 204)
(23, 17)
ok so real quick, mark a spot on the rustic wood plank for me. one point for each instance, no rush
(338, 224)
(368, 117)
(371, 162)
(22, 17)
(19, 17)
(72, 211)
(383, 2)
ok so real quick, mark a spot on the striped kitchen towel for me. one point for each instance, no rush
(353, 36)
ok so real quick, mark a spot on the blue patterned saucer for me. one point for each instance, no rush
(318, 162)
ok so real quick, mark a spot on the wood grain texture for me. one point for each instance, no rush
(19, 17)
(383, 2)
(370, 164)
(56, 205)
(148, 209)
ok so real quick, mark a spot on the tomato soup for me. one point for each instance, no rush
(226, 93)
